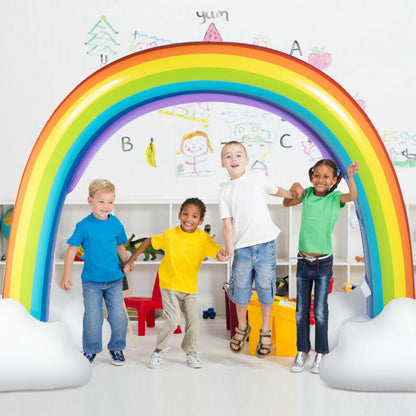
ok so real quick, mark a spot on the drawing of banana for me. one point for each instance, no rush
(151, 153)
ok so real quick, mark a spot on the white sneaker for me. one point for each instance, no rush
(193, 360)
(317, 363)
(155, 360)
(299, 362)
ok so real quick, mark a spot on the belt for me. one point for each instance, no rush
(312, 258)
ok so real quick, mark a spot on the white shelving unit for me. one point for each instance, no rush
(144, 219)
(148, 217)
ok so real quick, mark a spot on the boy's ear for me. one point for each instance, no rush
(201, 221)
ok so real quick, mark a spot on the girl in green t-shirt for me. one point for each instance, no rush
(320, 211)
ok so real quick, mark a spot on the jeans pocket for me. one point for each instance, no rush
(325, 267)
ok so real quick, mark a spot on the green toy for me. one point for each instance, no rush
(149, 254)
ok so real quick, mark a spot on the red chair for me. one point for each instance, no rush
(145, 308)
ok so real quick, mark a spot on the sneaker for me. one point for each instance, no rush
(155, 360)
(299, 362)
(117, 357)
(90, 356)
(316, 363)
(193, 360)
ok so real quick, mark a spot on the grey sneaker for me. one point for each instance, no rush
(299, 362)
(193, 360)
(316, 363)
(155, 360)
(117, 357)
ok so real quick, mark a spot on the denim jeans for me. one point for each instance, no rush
(307, 273)
(255, 263)
(112, 293)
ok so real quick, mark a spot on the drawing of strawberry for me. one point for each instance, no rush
(360, 101)
(212, 34)
(320, 59)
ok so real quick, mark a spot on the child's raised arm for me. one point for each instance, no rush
(352, 194)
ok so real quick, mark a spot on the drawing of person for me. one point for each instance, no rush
(195, 147)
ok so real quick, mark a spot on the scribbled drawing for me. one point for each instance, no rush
(259, 166)
(261, 40)
(360, 101)
(195, 148)
(151, 153)
(141, 41)
(198, 112)
(310, 150)
(103, 41)
(212, 34)
(251, 132)
(409, 156)
(401, 148)
(320, 59)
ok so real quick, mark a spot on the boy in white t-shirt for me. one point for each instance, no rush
(250, 234)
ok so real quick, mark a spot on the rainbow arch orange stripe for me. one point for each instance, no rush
(205, 72)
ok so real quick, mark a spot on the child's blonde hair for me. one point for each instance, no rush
(101, 185)
(235, 142)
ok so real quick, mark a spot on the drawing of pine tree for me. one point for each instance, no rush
(103, 42)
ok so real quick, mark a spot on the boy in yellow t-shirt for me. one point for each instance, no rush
(185, 248)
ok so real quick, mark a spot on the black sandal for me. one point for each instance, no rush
(239, 342)
(261, 346)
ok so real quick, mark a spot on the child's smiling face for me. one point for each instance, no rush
(234, 159)
(322, 179)
(102, 204)
(190, 218)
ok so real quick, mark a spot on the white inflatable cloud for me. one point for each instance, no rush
(344, 307)
(376, 355)
(69, 309)
(36, 355)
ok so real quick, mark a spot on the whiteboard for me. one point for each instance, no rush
(48, 49)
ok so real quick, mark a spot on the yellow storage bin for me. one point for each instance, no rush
(282, 323)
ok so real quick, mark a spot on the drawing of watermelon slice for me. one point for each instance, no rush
(212, 34)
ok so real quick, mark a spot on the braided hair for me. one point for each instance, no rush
(333, 166)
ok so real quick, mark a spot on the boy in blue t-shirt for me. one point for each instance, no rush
(102, 238)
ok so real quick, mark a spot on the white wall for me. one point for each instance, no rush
(372, 44)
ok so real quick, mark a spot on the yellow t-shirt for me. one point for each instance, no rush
(184, 253)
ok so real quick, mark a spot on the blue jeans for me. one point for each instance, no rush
(112, 293)
(307, 273)
(255, 263)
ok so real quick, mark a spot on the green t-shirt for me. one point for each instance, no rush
(319, 215)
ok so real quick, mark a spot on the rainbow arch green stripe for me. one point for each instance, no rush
(205, 72)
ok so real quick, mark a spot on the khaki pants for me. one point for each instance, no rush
(173, 303)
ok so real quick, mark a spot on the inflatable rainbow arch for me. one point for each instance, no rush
(197, 72)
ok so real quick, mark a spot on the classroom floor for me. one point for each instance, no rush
(228, 384)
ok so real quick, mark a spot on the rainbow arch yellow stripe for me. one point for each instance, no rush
(193, 72)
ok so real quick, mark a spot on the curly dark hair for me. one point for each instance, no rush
(333, 166)
(197, 202)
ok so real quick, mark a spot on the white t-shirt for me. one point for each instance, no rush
(244, 200)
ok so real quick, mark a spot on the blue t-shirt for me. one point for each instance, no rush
(99, 240)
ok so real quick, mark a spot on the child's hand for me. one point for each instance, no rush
(353, 168)
(66, 282)
(297, 191)
(223, 255)
(128, 267)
